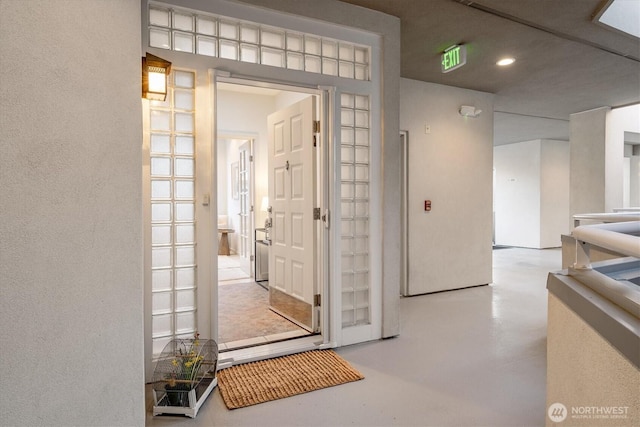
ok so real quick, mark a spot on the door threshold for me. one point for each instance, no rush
(262, 340)
(271, 350)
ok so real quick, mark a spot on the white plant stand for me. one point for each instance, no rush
(184, 376)
(161, 401)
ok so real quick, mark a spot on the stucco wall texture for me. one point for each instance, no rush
(71, 305)
(586, 373)
(450, 246)
(587, 176)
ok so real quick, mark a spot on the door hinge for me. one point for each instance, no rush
(251, 158)
(316, 213)
(251, 208)
(317, 300)
(316, 126)
(252, 258)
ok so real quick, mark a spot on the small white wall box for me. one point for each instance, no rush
(184, 376)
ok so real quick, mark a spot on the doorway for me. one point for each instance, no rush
(291, 54)
(234, 214)
(245, 312)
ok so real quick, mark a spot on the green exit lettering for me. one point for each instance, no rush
(454, 57)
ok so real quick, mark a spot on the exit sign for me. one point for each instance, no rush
(454, 57)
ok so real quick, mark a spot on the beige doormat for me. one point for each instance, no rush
(258, 382)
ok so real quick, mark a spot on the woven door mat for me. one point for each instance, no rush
(258, 382)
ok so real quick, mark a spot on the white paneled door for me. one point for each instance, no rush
(292, 192)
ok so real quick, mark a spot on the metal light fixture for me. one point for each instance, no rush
(155, 72)
(469, 111)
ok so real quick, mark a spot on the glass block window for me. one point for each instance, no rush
(172, 178)
(222, 37)
(355, 183)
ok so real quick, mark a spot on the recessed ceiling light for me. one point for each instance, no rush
(505, 61)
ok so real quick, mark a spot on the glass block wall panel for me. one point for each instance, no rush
(218, 36)
(172, 181)
(205, 25)
(355, 174)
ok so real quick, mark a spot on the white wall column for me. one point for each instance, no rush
(71, 207)
(619, 121)
(587, 178)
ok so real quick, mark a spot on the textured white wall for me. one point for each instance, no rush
(449, 247)
(71, 246)
(619, 121)
(517, 194)
(554, 196)
(597, 157)
(531, 193)
(583, 369)
(587, 154)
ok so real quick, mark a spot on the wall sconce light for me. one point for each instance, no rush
(469, 111)
(155, 72)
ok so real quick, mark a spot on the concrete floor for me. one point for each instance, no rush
(473, 357)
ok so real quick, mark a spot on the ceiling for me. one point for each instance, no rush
(565, 63)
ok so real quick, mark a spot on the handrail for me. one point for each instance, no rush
(620, 237)
(607, 217)
(616, 210)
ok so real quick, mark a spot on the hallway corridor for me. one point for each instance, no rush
(473, 357)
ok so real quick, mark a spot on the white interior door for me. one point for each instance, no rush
(246, 207)
(292, 192)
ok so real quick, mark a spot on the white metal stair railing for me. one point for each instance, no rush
(620, 215)
(622, 238)
(619, 237)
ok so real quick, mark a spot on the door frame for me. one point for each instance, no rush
(379, 39)
(404, 209)
(329, 318)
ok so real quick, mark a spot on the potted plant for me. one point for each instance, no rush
(184, 375)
